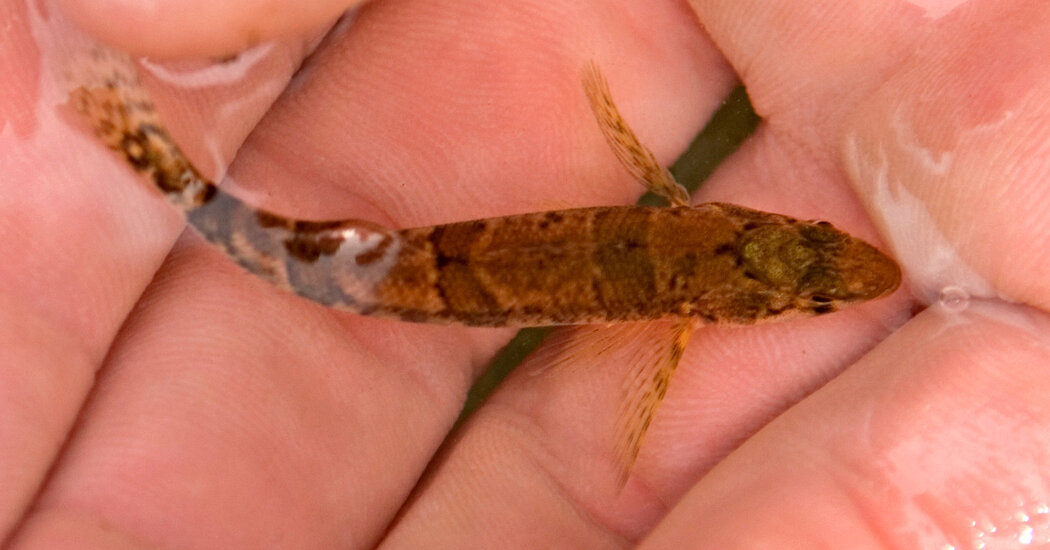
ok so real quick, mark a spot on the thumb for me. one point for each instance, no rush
(199, 28)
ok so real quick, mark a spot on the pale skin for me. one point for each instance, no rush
(222, 413)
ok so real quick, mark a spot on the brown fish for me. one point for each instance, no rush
(710, 263)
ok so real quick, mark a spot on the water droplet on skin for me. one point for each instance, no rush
(954, 299)
(1027, 525)
(1026, 535)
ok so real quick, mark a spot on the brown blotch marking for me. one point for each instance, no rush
(376, 254)
(726, 249)
(269, 219)
(308, 248)
(549, 219)
(133, 146)
(307, 240)
(532, 311)
(440, 256)
(129, 126)
(463, 295)
(206, 194)
(822, 232)
(627, 281)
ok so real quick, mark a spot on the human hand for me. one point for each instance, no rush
(215, 423)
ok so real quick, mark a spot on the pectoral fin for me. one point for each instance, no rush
(647, 353)
(644, 390)
(634, 156)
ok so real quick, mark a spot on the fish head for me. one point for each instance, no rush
(820, 267)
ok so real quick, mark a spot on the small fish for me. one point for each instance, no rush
(703, 264)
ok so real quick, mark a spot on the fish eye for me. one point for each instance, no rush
(821, 299)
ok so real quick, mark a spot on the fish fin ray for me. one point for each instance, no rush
(644, 389)
(635, 157)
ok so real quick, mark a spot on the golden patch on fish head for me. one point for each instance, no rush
(823, 268)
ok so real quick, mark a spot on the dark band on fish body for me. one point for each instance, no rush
(626, 278)
(458, 284)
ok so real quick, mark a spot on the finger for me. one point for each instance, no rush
(541, 439)
(479, 129)
(736, 382)
(251, 424)
(805, 68)
(201, 29)
(550, 439)
(485, 125)
(938, 251)
(81, 239)
(955, 170)
(933, 440)
(71, 499)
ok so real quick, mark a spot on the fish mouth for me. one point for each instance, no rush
(867, 273)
